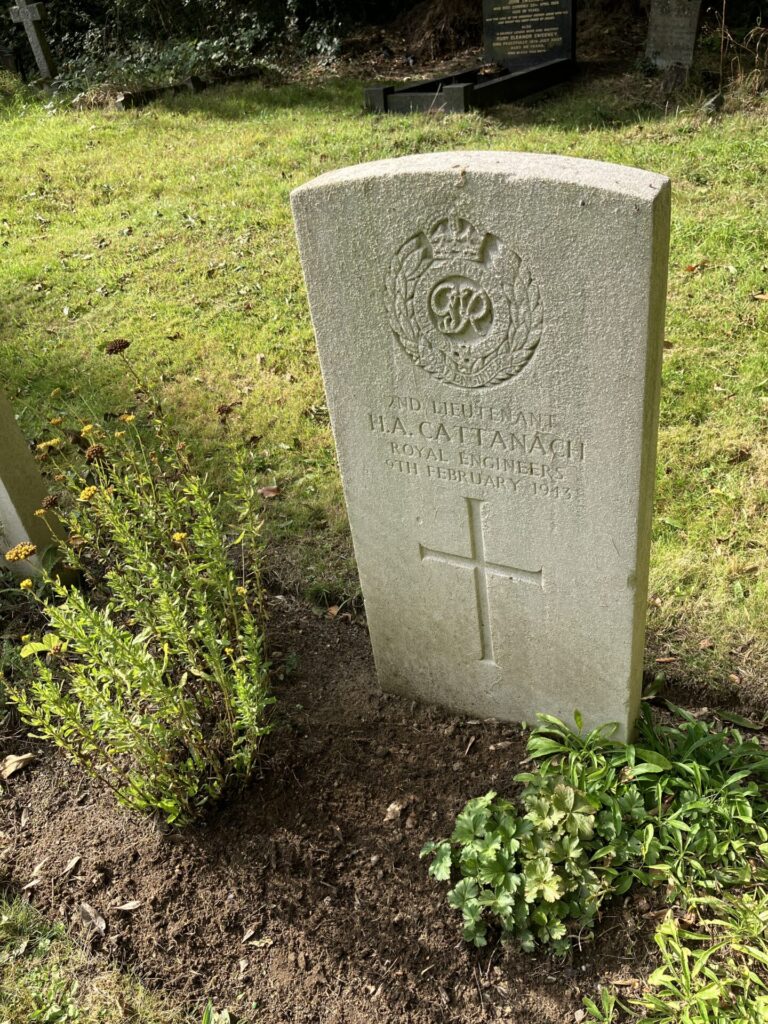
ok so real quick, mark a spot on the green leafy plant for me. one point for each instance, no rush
(212, 1016)
(528, 870)
(717, 973)
(152, 674)
(683, 806)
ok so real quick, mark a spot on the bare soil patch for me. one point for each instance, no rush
(304, 898)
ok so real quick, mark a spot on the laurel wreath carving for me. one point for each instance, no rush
(508, 359)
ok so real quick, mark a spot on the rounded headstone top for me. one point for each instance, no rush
(614, 178)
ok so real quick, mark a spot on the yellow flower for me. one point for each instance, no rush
(87, 493)
(20, 552)
(39, 511)
(127, 417)
(55, 442)
(26, 584)
(56, 421)
(229, 650)
(242, 591)
(179, 537)
(26, 637)
(87, 429)
(119, 433)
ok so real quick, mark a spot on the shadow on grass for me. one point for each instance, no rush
(594, 98)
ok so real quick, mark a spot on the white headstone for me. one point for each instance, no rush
(490, 333)
(22, 491)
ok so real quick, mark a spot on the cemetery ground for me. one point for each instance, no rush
(304, 898)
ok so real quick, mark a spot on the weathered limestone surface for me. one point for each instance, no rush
(672, 32)
(21, 492)
(490, 333)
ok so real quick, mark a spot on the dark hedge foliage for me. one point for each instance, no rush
(115, 24)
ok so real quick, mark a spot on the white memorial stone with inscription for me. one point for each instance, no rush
(490, 333)
(21, 492)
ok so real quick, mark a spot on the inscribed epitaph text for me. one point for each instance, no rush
(672, 32)
(520, 34)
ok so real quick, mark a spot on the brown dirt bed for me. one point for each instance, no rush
(341, 922)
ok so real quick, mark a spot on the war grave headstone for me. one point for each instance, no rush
(533, 40)
(22, 491)
(32, 17)
(672, 32)
(490, 333)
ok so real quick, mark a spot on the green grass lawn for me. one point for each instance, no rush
(46, 978)
(170, 226)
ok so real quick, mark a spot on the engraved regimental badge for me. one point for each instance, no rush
(463, 305)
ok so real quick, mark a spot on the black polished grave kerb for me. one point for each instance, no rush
(476, 88)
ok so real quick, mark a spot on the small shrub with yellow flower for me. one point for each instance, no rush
(152, 674)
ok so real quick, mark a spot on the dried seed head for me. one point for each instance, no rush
(49, 501)
(114, 348)
(95, 452)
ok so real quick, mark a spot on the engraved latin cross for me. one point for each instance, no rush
(481, 569)
(32, 16)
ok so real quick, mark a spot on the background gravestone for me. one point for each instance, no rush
(32, 17)
(672, 32)
(533, 40)
(490, 334)
(22, 490)
(523, 33)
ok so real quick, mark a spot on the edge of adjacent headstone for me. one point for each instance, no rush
(607, 177)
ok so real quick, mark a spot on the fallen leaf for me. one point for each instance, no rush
(502, 745)
(264, 943)
(394, 810)
(665, 661)
(39, 866)
(269, 492)
(706, 644)
(14, 763)
(734, 678)
(30, 885)
(71, 865)
(333, 611)
(91, 917)
(249, 934)
(761, 296)
(24, 817)
(129, 906)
